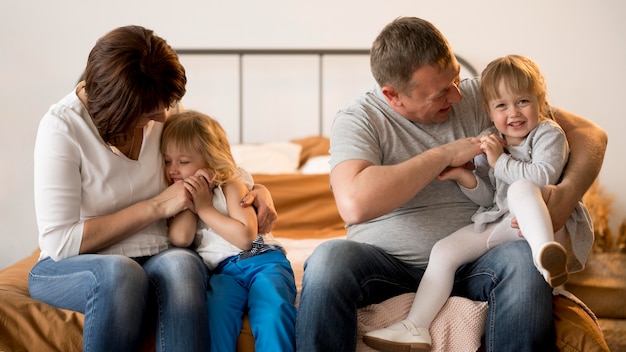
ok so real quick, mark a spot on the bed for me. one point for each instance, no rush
(290, 142)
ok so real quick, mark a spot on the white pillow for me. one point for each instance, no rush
(316, 165)
(267, 158)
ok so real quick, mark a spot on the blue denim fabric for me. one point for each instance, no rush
(342, 276)
(263, 286)
(116, 294)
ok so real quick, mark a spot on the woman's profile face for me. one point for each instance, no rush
(157, 115)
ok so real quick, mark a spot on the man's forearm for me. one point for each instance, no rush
(587, 143)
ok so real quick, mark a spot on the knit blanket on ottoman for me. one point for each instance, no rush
(454, 329)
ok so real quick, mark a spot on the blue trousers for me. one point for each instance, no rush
(262, 286)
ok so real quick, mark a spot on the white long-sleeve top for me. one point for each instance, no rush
(78, 177)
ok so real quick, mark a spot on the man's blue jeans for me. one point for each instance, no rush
(118, 293)
(342, 276)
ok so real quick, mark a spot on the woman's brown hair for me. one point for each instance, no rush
(130, 72)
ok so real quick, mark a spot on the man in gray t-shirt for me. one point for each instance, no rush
(384, 137)
(387, 149)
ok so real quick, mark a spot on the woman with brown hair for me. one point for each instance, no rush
(101, 204)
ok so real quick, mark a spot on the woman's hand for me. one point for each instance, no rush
(262, 201)
(173, 200)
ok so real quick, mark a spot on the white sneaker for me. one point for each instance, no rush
(411, 339)
(552, 263)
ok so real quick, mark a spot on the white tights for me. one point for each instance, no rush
(466, 245)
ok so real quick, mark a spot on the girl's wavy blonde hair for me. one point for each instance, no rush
(196, 133)
(520, 75)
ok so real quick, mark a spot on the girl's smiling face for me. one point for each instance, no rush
(514, 114)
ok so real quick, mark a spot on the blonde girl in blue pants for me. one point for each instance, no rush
(250, 273)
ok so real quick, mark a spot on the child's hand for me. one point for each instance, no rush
(453, 173)
(461, 174)
(493, 147)
(201, 192)
(208, 176)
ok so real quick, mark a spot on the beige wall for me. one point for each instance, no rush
(580, 46)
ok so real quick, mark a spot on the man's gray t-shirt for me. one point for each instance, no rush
(368, 129)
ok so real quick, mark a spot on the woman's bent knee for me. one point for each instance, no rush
(122, 275)
(176, 265)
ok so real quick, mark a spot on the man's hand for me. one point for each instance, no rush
(558, 203)
(461, 151)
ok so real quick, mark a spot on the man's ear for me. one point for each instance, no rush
(392, 96)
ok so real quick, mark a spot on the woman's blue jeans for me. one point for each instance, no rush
(342, 276)
(120, 296)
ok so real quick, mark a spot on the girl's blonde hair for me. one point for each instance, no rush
(196, 133)
(520, 75)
